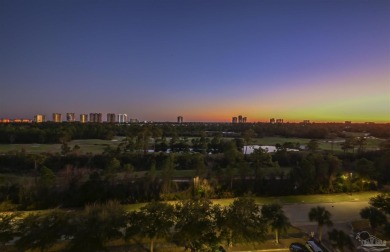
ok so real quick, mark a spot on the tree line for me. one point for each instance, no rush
(195, 224)
(63, 132)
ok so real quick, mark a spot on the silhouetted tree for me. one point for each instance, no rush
(196, 227)
(242, 222)
(382, 202)
(322, 217)
(97, 225)
(340, 240)
(374, 216)
(153, 221)
(312, 145)
(42, 231)
(276, 219)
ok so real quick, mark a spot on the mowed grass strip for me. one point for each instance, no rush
(293, 199)
(307, 199)
(31, 148)
(328, 198)
(272, 141)
(95, 146)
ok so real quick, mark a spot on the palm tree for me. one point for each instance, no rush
(322, 217)
(339, 240)
(374, 216)
(276, 219)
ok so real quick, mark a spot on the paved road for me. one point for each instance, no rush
(341, 212)
(342, 215)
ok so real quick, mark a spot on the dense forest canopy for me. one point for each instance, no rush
(177, 161)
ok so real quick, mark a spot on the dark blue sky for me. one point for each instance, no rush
(205, 60)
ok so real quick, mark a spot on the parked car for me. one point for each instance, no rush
(298, 247)
(313, 246)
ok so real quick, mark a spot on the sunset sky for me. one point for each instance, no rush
(205, 60)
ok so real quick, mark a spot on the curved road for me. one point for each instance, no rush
(342, 212)
(342, 215)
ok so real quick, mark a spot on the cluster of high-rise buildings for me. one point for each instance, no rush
(273, 120)
(7, 120)
(122, 118)
(91, 117)
(239, 119)
(83, 118)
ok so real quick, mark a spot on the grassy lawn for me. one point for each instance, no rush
(274, 140)
(328, 198)
(372, 143)
(307, 199)
(94, 146)
(30, 148)
(294, 199)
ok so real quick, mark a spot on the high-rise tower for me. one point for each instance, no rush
(70, 117)
(57, 117)
(95, 117)
(110, 117)
(121, 118)
(179, 119)
(83, 118)
(39, 118)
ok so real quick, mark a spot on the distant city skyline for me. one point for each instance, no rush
(323, 61)
(123, 118)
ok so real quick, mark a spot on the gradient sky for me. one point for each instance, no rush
(206, 60)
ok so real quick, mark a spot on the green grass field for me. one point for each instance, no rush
(372, 143)
(30, 148)
(94, 146)
(306, 199)
(274, 140)
(292, 199)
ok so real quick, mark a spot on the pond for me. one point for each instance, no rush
(248, 149)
